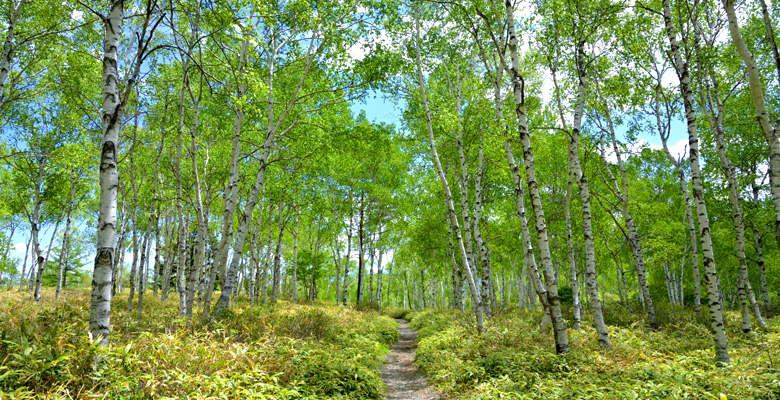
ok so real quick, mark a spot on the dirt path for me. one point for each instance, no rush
(400, 375)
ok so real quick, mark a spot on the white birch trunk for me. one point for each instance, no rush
(66, 234)
(634, 240)
(762, 115)
(8, 44)
(100, 303)
(591, 278)
(476, 304)
(295, 258)
(713, 107)
(710, 268)
(518, 87)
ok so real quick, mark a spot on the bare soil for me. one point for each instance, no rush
(401, 377)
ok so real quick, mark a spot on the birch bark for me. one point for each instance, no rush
(634, 241)
(476, 303)
(591, 278)
(710, 268)
(66, 234)
(713, 111)
(762, 115)
(100, 303)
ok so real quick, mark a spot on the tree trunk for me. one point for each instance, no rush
(476, 304)
(295, 258)
(361, 263)
(713, 107)
(230, 195)
(759, 243)
(277, 275)
(518, 87)
(347, 256)
(100, 302)
(762, 115)
(634, 240)
(66, 234)
(591, 278)
(8, 45)
(711, 272)
(142, 275)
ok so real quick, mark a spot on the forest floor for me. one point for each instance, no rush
(323, 351)
(401, 377)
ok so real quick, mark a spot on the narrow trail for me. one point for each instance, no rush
(401, 377)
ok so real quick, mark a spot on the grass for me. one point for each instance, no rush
(285, 352)
(513, 360)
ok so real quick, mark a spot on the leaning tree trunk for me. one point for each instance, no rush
(8, 45)
(551, 285)
(230, 197)
(476, 304)
(762, 115)
(663, 131)
(591, 278)
(100, 302)
(710, 268)
(714, 113)
(634, 240)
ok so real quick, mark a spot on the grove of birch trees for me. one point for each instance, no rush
(552, 155)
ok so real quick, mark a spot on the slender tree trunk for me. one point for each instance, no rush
(199, 250)
(379, 270)
(8, 45)
(36, 269)
(663, 131)
(66, 234)
(711, 272)
(476, 305)
(142, 275)
(100, 303)
(277, 275)
(24, 264)
(295, 258)
(591, 278)
(457, 273)
(634, 241)
(361, 254)
(347, 256)
(230, 197)
(573, 271)
(714, 114)
(518, 87)
(171, 251)
(759, 243)
(757, 95)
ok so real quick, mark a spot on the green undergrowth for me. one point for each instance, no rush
(285, 352)
(513, 360)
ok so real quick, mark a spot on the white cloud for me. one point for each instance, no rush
(77, 15)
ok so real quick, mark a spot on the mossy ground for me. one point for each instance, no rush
(513, 360)
(283, 352)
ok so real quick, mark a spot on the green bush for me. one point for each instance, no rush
(283, 352)
(511, 359)
(396, 313)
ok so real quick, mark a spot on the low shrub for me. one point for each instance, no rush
(396, 313)
(283, 352)
(511, 359)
